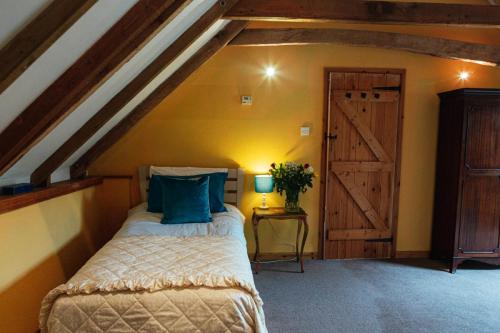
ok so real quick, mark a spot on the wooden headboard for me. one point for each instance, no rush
(233, 188)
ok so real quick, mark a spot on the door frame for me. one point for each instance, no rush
(324, 150)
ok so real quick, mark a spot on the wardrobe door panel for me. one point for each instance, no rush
(483, 138)
(480, 218)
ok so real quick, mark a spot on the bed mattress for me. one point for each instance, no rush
(162, 278)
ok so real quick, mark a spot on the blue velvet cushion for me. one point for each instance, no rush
(155, 197)
(216, 191)
(185, 200)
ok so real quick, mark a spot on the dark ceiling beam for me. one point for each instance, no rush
(93, 68)
(366, 12)
(32, 41)
(438, 47)
(42, 173)
(79, 168)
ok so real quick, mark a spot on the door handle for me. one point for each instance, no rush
(331, 136)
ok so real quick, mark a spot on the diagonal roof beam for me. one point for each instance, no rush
(32, 41)
(42, 173)
(99, 62)
(438, 47)
(366, 12)
(79, 168)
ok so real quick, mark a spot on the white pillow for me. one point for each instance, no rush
(183, 171)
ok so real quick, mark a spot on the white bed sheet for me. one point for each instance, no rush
(142, 222)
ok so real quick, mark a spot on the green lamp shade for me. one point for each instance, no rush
(264, 184)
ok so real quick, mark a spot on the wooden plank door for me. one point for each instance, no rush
(362, 162)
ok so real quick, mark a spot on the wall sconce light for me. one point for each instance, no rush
(463, 76)
(270, 71)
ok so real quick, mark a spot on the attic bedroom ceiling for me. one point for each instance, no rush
(116, 88)
(92, 25)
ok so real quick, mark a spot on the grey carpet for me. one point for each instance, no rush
(380, 296)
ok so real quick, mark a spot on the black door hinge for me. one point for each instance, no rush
(394, 88)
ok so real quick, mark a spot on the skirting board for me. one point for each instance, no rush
(412, 254)
(312, 255)
(281, 255)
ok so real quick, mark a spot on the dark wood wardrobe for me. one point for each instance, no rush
(467, 196)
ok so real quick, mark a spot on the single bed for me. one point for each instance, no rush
(153, 277)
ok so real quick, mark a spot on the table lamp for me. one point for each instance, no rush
(264, 184)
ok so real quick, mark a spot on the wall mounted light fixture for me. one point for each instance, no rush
(270, 71)
(463, 76)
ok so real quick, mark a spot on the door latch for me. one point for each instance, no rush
(331, 136)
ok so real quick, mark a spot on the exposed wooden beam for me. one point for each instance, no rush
(42, 173)
(366, 11)
(32, 41)
(79, 168)
(439, 47)
(98, 63)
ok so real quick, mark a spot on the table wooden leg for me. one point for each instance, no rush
(306, 231)
(255, 224)
(299, 229)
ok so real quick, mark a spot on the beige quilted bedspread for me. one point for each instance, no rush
(159, 284)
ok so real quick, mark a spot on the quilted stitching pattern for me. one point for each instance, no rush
(159, 284)
(187, 310)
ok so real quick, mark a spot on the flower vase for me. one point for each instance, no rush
(292, 201)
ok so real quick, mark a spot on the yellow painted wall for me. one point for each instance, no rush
(42, 245)
(203, 124)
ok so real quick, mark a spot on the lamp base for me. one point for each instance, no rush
(264, 204)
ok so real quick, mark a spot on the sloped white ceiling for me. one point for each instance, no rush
(59, 57)
(15, 14)
(88, 29)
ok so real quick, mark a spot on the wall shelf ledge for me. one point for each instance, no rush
(11, 202)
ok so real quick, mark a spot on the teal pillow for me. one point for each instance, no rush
(185, 200)
(154, 195)
(216, 191)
